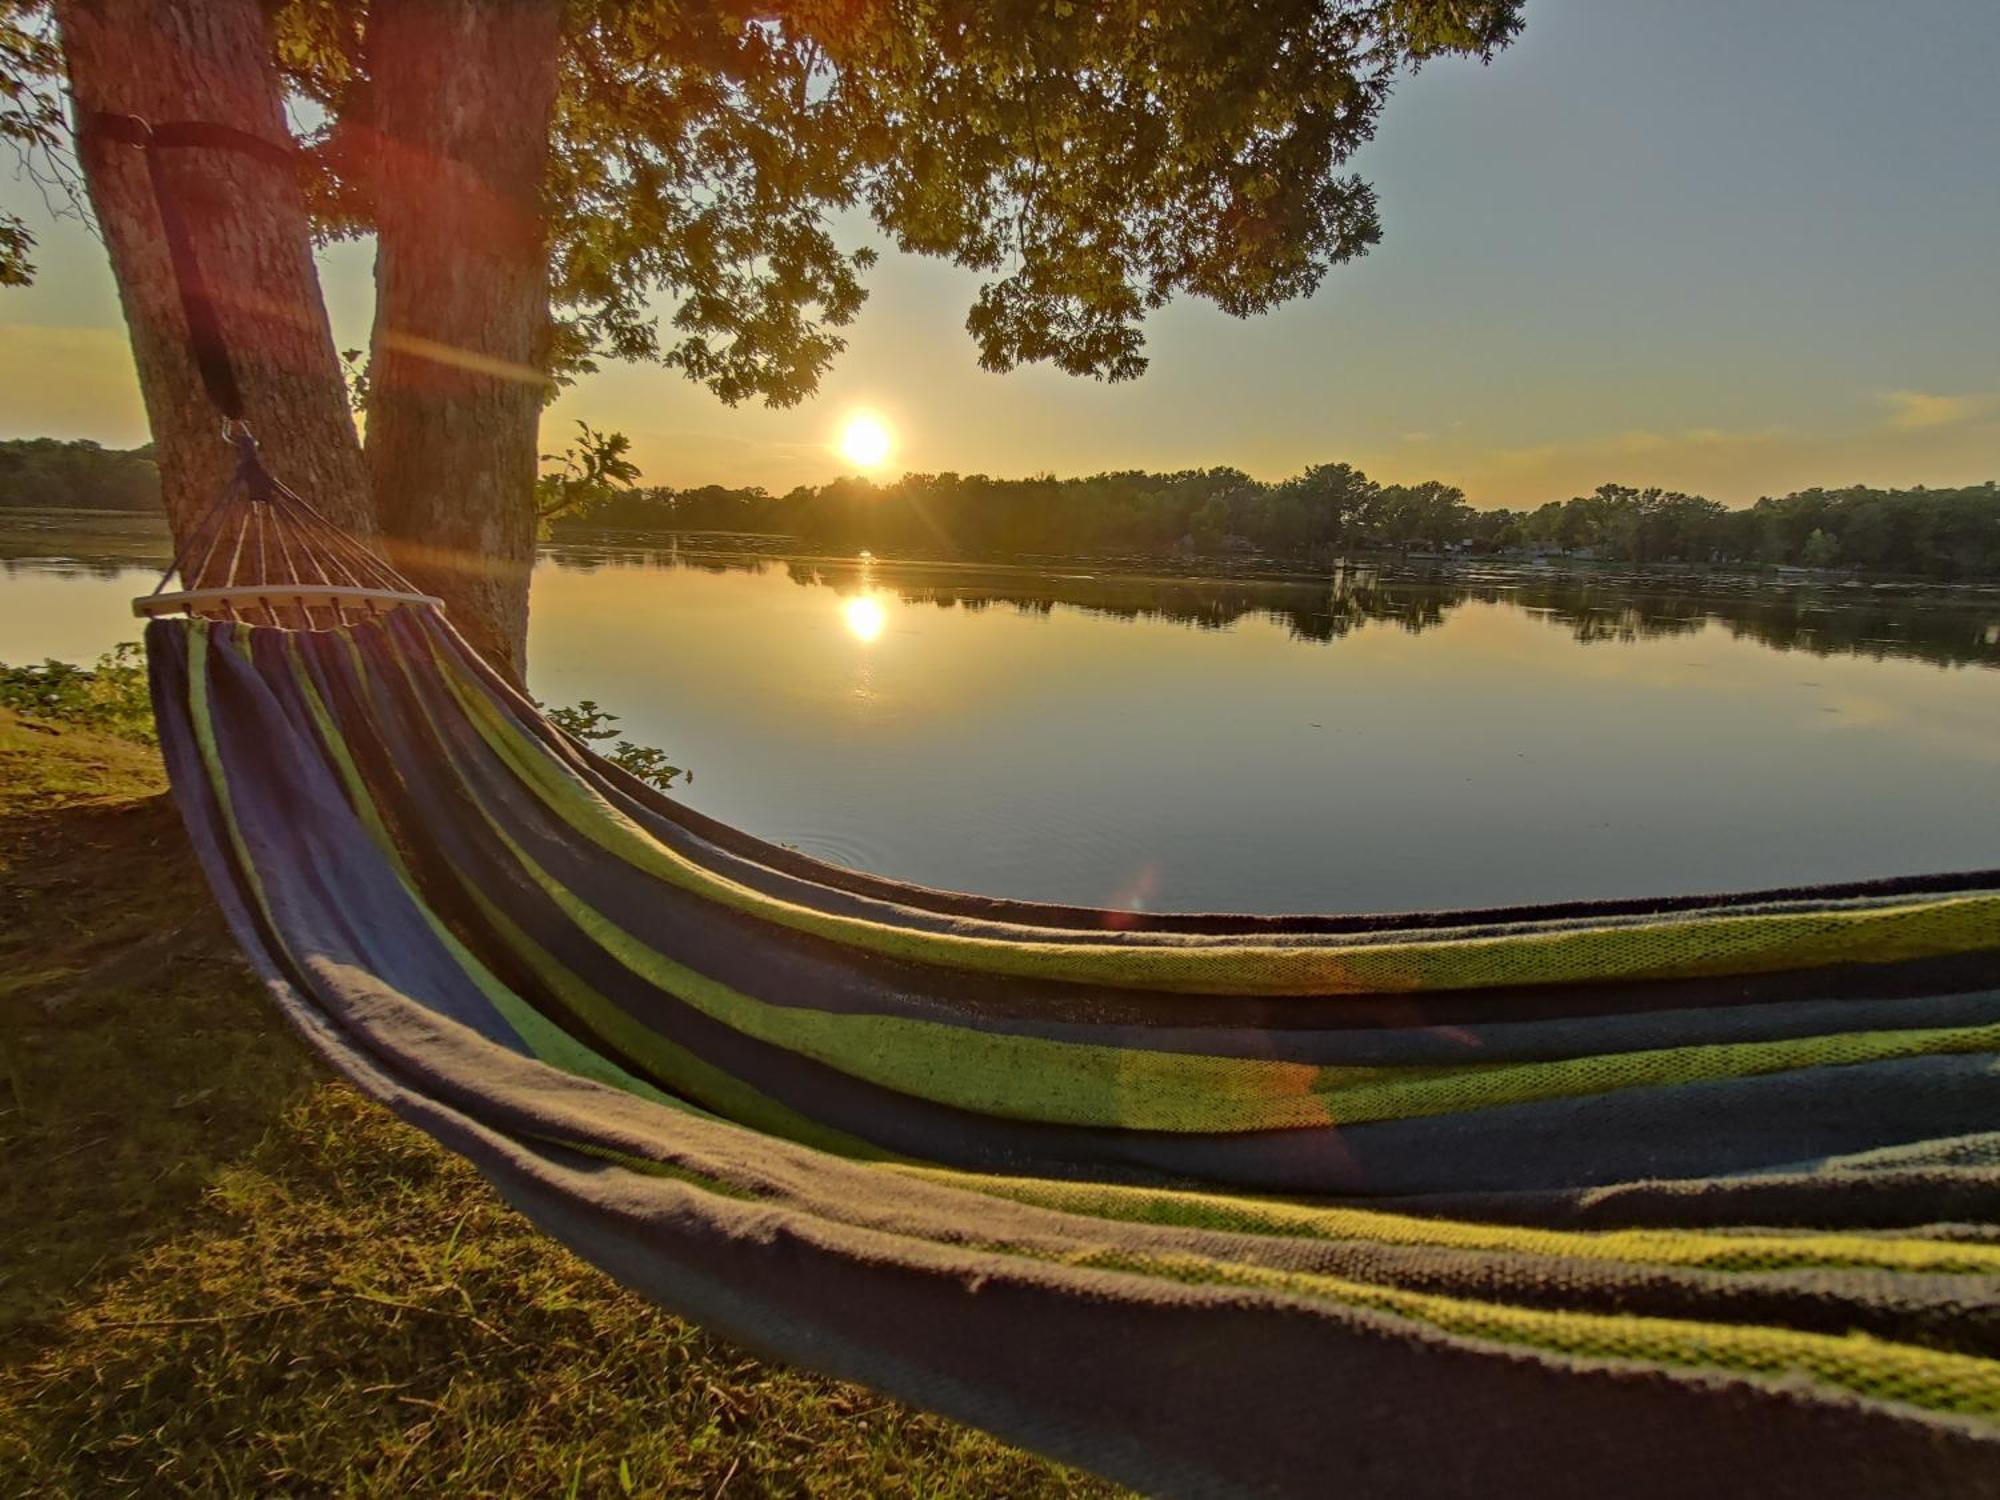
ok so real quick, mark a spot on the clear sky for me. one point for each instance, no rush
(1733, 246)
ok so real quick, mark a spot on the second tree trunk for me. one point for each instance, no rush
(463, 94)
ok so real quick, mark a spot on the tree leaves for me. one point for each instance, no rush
(588, 474)
(1098, 160)
(31, 122)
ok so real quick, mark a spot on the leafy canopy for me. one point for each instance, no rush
(1095, 160)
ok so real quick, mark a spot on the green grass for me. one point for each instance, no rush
(222, 1272)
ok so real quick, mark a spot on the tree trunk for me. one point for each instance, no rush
(462, 97)
(211, 60)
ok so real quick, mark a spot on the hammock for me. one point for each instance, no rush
(1628, 1198)
(1210, 1204)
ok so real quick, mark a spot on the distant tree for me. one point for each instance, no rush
(1432, 514)
(1333, 499)
(1208, 528)
(1647, 526)
(1498, 530)
(1744, 536)
(1947, 534)
(77, 475)
(1822, 550)
(1566, 525)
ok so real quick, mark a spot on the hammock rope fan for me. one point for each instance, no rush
(1635, 1198)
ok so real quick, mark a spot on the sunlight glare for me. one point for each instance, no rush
(864, 617)
(865, 440)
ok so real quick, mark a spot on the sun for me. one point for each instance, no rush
(865, 440)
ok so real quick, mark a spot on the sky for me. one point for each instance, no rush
(1731, 248)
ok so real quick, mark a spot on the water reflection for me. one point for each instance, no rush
(1142, 741)
(1949, 628)
(1146, 742)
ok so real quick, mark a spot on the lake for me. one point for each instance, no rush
(1355, 741)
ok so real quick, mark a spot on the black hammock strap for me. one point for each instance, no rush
(260, 551)
(211, 352)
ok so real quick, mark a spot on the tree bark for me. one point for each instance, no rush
(211, 60)
(462, 95)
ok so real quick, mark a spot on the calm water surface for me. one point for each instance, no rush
(1353, 742)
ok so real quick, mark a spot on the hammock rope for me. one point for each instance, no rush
(1637, 1198)
(263, 553)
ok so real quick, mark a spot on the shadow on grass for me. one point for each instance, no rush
(221, 1273)
(136, 1056)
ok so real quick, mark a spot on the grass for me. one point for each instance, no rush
(223, 1272)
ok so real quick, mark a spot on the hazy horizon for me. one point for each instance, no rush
(1732, 250)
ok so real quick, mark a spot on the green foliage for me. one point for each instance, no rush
(1329, 509)
(1946, 534)
(1821, 550)
(81, 475)
(1334, 509)
(1432, 515)
(593, 725)
(354, 368)
(31, 120)
(1629, 525)
(112, 696)
(1096, 161)
(589, 474)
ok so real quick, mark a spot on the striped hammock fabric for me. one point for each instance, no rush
(1650, 1198)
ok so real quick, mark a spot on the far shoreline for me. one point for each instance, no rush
(134, 538)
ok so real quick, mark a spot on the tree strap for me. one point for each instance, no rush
(211, 353)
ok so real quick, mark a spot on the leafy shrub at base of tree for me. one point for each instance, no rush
(592, 725)
(112, 696)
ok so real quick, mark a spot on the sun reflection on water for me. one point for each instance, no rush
(864, 616)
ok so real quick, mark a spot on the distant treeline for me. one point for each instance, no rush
(59, 475)
(1334, 510)
(1331, 510)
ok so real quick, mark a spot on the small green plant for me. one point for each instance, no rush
(590, 473)
(111, 696)
(354, 369)
(593, 725)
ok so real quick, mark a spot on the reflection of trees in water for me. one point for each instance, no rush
(1950, 630)
(105, 570)
(1593, 613)
(571, 558)
(1825, 622)
(1310, 608)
